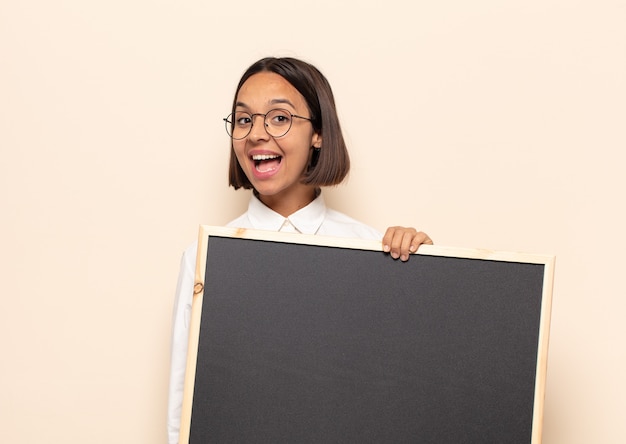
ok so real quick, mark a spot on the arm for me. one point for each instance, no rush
(400, 242)
(180, 337)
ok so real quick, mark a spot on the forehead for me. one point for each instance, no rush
(267, 89)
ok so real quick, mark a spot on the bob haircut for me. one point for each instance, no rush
(329, 165)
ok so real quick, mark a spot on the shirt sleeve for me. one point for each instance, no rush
(180, 339)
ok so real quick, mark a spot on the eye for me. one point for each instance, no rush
(242, 119)
(279, 117)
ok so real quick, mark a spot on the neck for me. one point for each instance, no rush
(286, 204)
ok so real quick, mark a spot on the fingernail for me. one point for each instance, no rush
(386, 248)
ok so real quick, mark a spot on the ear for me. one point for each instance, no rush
(316, 140)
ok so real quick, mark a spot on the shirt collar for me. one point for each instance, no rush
(306, 220)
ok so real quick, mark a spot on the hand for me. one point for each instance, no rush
(400, 242)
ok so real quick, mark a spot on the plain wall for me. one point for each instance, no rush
(488, 124)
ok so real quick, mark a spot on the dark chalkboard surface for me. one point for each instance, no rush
(304, 339)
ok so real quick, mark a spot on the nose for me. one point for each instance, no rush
(258, 130)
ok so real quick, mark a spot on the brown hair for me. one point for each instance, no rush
(331, 164)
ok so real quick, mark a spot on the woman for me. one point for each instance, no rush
(286, 143)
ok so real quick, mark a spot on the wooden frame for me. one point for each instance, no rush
(206, 232)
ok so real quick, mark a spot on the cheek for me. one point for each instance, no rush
(238, 148)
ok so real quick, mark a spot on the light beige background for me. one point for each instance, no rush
(488, 124)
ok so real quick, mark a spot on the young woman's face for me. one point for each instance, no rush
(275, 165)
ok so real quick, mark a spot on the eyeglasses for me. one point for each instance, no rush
(277, 123)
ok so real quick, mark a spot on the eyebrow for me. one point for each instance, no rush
(272, 102)
(277, 101)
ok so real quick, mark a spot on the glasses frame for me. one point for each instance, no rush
(229, 122)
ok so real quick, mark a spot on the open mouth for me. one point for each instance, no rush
(266, 162)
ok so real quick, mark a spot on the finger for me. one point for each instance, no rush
(401, 242)
(420, 238)
(406, 244)
(388, 238)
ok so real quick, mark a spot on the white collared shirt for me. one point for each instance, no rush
(315, 218)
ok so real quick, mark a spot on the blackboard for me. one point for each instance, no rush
(307, 339)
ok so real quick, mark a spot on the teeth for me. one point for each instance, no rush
(265, 156)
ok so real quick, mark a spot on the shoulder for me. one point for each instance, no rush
(242, 221)
(338, 224)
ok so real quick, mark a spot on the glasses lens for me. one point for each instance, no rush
(238, 124)
(278, 122)
(228, 123)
